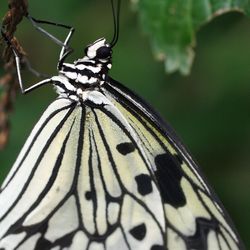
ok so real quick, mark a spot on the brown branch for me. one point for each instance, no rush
(8, 82)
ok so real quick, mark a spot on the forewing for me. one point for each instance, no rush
(195, 219)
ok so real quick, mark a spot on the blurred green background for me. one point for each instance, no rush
(209, 109)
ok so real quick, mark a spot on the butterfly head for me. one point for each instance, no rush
(99, 51)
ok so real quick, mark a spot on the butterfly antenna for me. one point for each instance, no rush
(116, 20)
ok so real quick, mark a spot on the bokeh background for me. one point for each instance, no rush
(209, 109)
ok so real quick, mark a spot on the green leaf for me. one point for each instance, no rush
(172, 24)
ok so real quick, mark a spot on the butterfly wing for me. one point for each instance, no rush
(38, 177)
(195, 218)
(108, 174)
(75, 185)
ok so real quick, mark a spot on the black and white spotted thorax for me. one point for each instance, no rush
(77, 80)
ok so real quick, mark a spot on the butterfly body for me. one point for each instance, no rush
(75, 80)
(101, 170)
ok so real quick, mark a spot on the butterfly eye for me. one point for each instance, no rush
(103, 52)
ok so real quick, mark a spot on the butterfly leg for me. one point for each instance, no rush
(66, 49)
(18, 67)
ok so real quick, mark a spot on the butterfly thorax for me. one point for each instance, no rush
(85, 74)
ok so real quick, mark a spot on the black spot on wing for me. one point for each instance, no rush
(199, 239)
(168, 175)
(157, 247)
(125, 148)
(138, 232)
(144, 184)
(89, 195)
(63, 242)
(42, 243)
(42, 228)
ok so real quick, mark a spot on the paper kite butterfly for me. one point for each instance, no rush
(102, 171)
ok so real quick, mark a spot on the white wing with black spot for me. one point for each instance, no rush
(195, 218)
(108, 174)
(81, 180)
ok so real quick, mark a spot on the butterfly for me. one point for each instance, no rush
(102, 170)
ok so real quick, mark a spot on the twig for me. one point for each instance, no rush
(8, 82)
